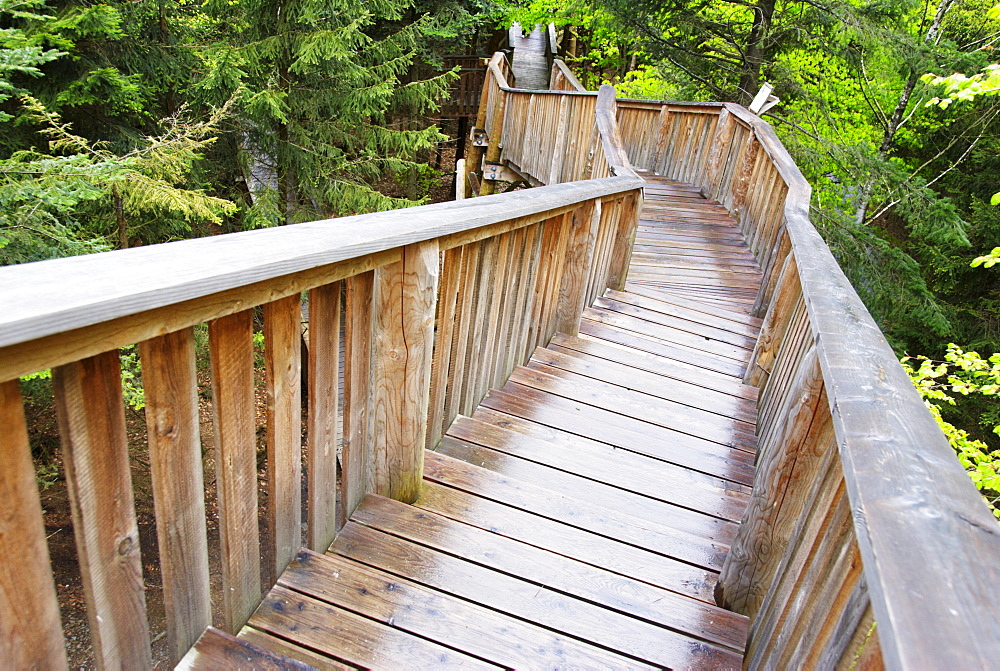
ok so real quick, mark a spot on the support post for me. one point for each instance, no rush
(403, 337)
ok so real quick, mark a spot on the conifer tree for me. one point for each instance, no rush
(324, 101)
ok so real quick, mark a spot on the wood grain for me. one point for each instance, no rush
(357, 451)
(91, 417)
(403, 335)
(30, 630)
(283, 382)
(170, 383)
(322, 429)
(231, 348)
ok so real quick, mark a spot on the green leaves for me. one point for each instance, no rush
(962, 373)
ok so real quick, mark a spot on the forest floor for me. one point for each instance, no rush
(56, 506)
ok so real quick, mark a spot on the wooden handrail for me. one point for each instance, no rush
(435, 304)
(860, 511)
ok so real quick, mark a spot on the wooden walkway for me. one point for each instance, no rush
(579, 518)
(531, 71)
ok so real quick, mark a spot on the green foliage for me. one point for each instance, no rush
(963, 373)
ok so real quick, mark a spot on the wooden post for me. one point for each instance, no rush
(231, 344)
(403, 337)
(282, 367)
(721, 141)
(95, 452)
(579, 257)
(324, 383)
(30, 631)
(170, 382)
(357, 389)
(787, 292)
(496, 135)
(625, 230)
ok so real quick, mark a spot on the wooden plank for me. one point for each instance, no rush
(590, 348)
(572, 510)
(30, 630)
(627, 215)
(529, 601)
(688, 322)
(634, 435)
(568, 541)
(282, 647)
(641, 406)
(231, 348)
(413, 608)
(216, 649)
(707, 400)
(631, 332)
(170, 382)
(360, 293)
(91, 417)
(348, 637)
(465, 315)
(444, 345)
(324, 388)
(705, 539)
(637, 480)
(690, 310)
(403, 335)
(615, 592)
(283, 382)
(578, 260)
(784, 471)
(45, 320)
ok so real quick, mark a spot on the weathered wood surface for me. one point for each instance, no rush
(531, 70)
(579, 517)
(91, 416)
(58, 298)
(30, 630)
(231, 347)
(171, 394)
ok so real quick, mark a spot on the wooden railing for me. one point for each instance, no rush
(860, 512)
(435, 305)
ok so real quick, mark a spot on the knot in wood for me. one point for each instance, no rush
(125, 546)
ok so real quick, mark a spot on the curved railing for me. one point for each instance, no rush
(431, 307)
(860, 511)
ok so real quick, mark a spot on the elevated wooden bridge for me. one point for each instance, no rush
(634, 417)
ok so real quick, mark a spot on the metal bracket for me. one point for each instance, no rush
(479, 137)
(499, 172)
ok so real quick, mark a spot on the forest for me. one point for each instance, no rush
(140, 122)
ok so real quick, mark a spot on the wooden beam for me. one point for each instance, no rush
(30, 631)
(170, 382)
(324, 387)
(403, 337)
(91, 416)
(231, 346)
(360, 293)
(282, 373)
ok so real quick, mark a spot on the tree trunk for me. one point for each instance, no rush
(763, 14)
(896, 119)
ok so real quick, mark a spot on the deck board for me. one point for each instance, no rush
(579, 517)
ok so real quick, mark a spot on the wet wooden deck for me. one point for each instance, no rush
(579, 518)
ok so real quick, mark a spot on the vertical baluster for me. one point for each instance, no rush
(579, 256)
(231, 348)
(451, 276)
(171, 386)
(403, 335)
(95, 452)
(282, 367)
(465, 313)
(324, 383)
(625, 229)
(30, 630)
(357, 389)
